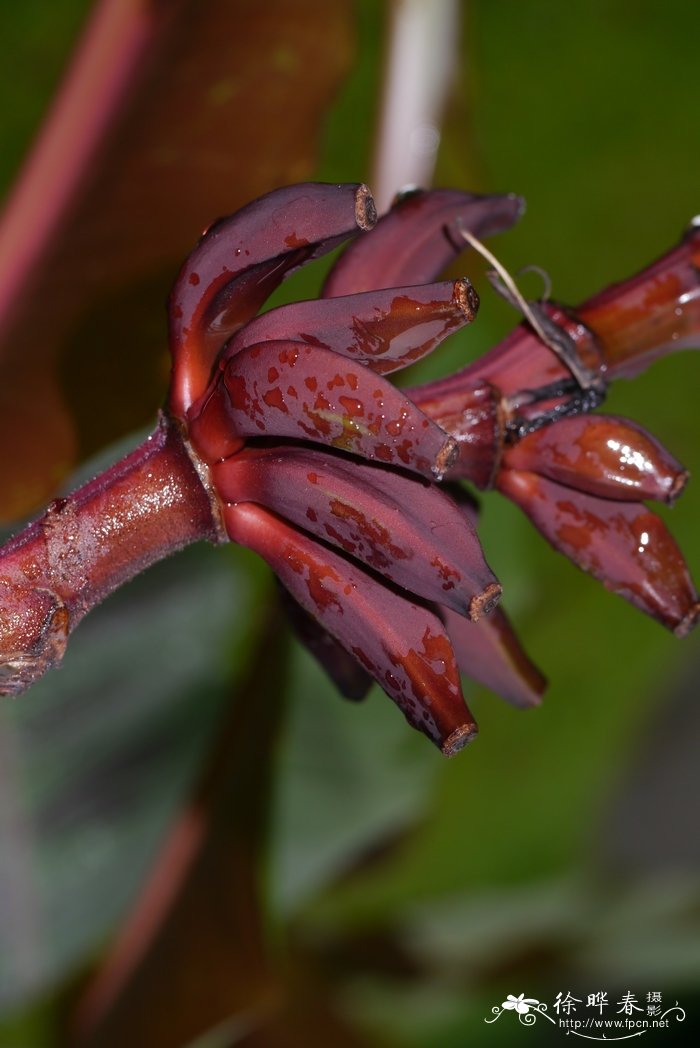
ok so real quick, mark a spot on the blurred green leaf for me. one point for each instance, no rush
(349, 777)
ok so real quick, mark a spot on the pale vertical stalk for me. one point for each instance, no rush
(421, 63)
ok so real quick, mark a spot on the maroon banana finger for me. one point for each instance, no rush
(399, 526)
(240, 260)
(287, 389)
(403, 646)
(418, 238)
(384, 330)
(623, 544)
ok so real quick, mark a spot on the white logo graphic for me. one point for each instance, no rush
(593, 1027)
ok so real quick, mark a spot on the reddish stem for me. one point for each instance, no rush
(143, 508)
(101, 76)
(651, 314)
(616, 334)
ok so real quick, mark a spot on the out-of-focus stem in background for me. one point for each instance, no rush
(101, 74)
(420, 66)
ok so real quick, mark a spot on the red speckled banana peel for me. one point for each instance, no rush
(240, 261)
(401, 527)
(402, 645)
(623, 544)
(384, 330)
(302, 392)
(603, 455)
(352, 681)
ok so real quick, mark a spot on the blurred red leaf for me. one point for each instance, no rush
(171, 115)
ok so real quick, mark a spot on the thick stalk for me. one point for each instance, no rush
(651, 314)
(615, 334)
(52, 573)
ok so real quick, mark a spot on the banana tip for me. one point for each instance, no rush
(458, 739)
(484, 602)
(365, 208)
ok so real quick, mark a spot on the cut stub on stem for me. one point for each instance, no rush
(653, 313)
(623, 544)
(402, 645)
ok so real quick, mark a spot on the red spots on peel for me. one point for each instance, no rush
(623, 544)
(437, 649)
(317, 577)
(372, 532)
(395, 427)
(351, 380)
(319, 424)
(574, 539)
(238, 392)
(602, 455)
(340, 540)
(312, 515)
(274, 399)
(431, 673)
(312, 478)
(312, 340)
(194, 279)
(567, 509)
(403, 450)
(292, 241)
(391, 680)
(364, 660)
(353, 408)
(450, 576)
(289, 356)
(358, 422)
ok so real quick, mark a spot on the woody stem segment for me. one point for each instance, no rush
(52, 573)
